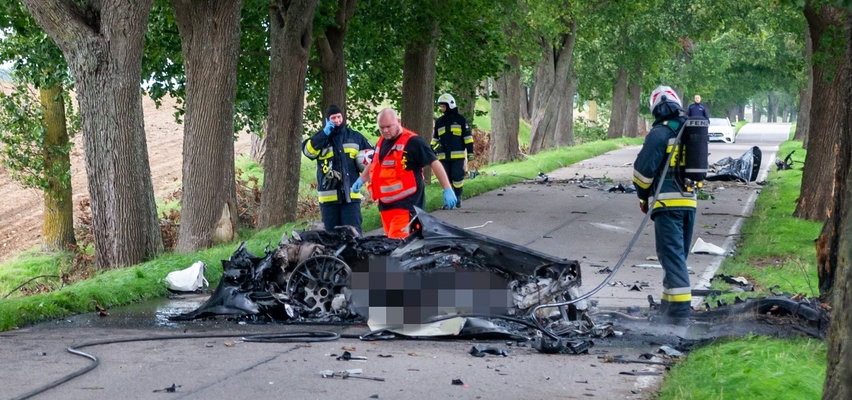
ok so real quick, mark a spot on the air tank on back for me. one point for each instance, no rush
(694, 141)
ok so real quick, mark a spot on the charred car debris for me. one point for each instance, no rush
(446, 281)
(439, 272)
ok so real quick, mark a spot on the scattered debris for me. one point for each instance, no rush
(702, 247)
(188, 279)
(349, 373)
(547, 345)
(479, 350)
(347, 356)
(640, 373)
(457, 382)
(168, 389)
(669, 351)
(385, 356)
(743, 169)
(785, 164)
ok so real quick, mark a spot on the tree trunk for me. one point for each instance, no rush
(505, 114)
(552, 88)
(258, 146)
(525, 102)
(210, 42)
(332, 58)
(772, 107)
(731, 112)
(290, 25)
(418, 81)
(466, 100)
(619, 105)
(828, 135)
(839, 369)
(741, 112)
(565, 125)
(57, 231)
(804, 115)
(593, 111)
(756, 113)
(102, 44)
(634, 98)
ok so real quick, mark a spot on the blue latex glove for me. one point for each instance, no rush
(329, 126)
(356, 187)
(450, 199)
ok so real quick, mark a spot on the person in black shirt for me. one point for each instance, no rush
(396, 174)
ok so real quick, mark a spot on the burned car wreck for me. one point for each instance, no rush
(439, 271)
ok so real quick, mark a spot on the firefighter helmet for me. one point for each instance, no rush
(364, 158)
(448, 100)
(663, 94)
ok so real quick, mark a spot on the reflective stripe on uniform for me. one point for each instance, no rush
(351, 149)
(642, 181)
(457, 154)
(327, 195)
(326, 153)
(681, 202)
(310, 151)
(388, 163)
(468, 139)
(390, 188)
(682, 294)
(442, 156)
(355, 195)
(400, 195)
(456, 129)
(441, 130)
(458, 185)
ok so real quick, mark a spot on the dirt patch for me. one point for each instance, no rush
(21, 211)
(767, 262)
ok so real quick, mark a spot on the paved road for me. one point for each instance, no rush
(563, 219)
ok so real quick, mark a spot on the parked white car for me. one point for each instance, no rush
(721, 130)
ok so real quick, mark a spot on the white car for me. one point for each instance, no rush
(721, 130)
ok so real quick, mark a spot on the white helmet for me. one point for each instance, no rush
(663, 93)
(447, 98)
(364, 158)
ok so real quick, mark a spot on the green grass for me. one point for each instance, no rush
(753, 368)
(145, 281)
(30, 264)
(776, 250)
(120, 286)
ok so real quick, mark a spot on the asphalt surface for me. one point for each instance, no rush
(574, 216)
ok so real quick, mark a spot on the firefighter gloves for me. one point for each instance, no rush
(356, 187)
(329, 126)
(450, 198)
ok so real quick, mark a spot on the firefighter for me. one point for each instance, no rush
(450, 140)
(396, 175)
(335, 148)
(673, 209)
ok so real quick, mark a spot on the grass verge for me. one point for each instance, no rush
(776, 252)
(752, 368)
(145, 281)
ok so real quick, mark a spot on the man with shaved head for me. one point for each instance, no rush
(395, 175)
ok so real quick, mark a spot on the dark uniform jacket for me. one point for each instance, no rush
(452, 136)
(336, 169)
(648, 168)
(697, 110)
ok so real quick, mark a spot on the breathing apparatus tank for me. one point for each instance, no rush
(694, 140)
